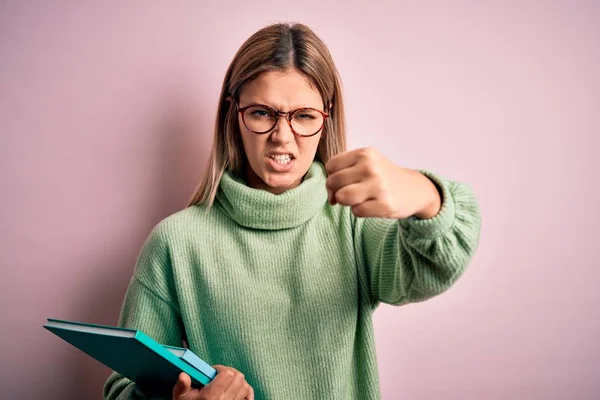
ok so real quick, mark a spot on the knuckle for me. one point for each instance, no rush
(371, 169)
(367, 153)
(366, 150)
(238, 378)
(248, 390)
(363, 155)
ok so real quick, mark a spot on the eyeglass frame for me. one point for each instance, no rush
(278, 114)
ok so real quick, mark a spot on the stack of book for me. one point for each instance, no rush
(154, 367)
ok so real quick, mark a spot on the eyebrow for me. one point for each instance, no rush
(253, 102)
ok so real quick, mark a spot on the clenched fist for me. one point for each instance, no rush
(375, 187)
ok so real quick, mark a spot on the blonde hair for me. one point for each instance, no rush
(277, 47)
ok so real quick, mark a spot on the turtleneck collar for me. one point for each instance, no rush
(260, 209)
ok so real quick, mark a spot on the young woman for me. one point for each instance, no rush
(275, 268)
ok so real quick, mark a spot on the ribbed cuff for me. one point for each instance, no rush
(441, 222)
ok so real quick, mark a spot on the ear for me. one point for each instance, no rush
(329, 104)
(231, 104)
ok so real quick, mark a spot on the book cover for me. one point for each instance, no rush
(129, 352)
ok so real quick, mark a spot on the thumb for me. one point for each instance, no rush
(183, 386)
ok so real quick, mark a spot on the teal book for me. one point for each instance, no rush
(129, 352)
(191, 358)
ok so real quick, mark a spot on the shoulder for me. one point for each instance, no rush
(171, 233)
(190, 221)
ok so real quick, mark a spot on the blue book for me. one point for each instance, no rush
(129, 352)
(191, 358)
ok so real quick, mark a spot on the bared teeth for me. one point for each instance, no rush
(282, 159)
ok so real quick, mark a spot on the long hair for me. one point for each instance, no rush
(277, 47)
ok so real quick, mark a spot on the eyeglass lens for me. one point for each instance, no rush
(304, 122)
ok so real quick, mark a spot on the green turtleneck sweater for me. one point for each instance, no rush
(283, 287)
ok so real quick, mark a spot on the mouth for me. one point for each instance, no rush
(282, 158)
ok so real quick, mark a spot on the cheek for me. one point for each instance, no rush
(308, 146)
(253, 144)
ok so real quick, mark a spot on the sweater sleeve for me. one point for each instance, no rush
(412, 260)
(149, 305)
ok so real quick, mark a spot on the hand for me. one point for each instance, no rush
(375, 187)
(229, 384)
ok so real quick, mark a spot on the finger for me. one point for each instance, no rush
(244, 392)
(236, 384)
(352, 195)
(218, 385)
(343, 178)
(250, 395)
(341, 161)
(370, 208)
(331, 198)
(220, 368)
(183, 386)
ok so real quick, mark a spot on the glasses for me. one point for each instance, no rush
(262, 119)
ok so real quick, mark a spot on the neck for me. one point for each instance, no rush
(260, 209)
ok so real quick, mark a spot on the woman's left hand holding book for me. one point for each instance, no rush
(229, 384)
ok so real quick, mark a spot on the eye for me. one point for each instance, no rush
(306, 115)
(260, 113)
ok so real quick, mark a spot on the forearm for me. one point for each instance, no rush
(119, 388)
(416, 258)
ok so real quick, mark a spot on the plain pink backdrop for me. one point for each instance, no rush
(106, 113)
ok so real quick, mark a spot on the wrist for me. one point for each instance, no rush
(432, 202)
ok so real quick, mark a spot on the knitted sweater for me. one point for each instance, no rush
(283, 287)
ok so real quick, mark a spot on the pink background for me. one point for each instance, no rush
(106, 115)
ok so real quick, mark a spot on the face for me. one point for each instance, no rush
(279, 159)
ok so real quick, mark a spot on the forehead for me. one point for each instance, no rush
(282, 90)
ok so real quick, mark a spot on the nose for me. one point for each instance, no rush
(282, 133)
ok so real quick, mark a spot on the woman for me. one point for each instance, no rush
(291, 242)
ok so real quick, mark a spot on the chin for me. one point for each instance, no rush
(280, 182)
